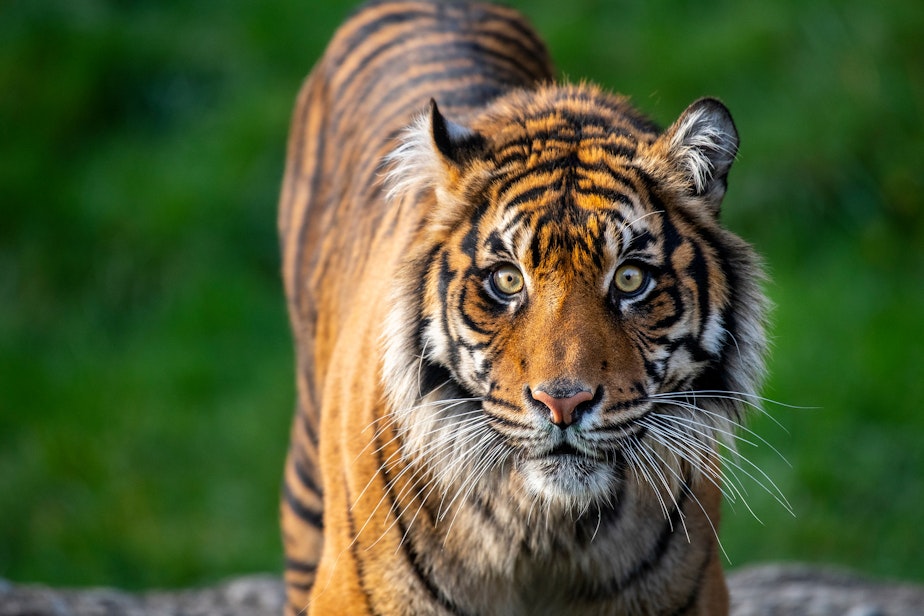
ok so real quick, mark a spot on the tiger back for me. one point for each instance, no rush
(522, 334)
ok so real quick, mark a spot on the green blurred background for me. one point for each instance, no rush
(145, 361)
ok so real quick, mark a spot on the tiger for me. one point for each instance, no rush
(523, 338)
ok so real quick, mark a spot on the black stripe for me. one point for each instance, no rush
(699, 271)
(451, 47)
(620, 111)
(546, 167)
(376, 25)
(503, 403)
(469, 243)
(623, 431)
(433, 376)
(516, 22)
(539, 68)
(298, 134)
(301, 586)
(307, 428)
(619, 150)
(523, 145)
(486, 512)
(669, 530)
(615, 197)
(450, 20)
(693, 596)
(527, 47)
(601, 115)
(370, 160)
(672, 238)
(414, 560)
(571, 167)
(463, 343)
(313, 518)
(639, 242)
(304, 475)
(495, 245)
(354, 550)
(413, 557)
(517, 150)
(588, 526)
(716, 377)
(488, 305)
(530, 194)
(669, 293)
(300, 566)
(444, 277)
(421, 266)
(437, 55)
(305, 365)
(314, 185)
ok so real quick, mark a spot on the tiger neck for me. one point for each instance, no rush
(610, 554)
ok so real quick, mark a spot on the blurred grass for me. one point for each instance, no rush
(145, 360)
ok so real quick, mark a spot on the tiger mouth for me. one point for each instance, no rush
(565, 452)
(612, 452)
(567, 475)
(564, 449)
(624, 435)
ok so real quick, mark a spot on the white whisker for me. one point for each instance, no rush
(773, 490)
(698, 409)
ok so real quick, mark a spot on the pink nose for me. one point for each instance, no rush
(562, 409)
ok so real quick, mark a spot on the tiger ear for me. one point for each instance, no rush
(701, 147)
(457, 144)
(435, 153)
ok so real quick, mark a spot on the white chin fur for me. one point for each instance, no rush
(570, 481)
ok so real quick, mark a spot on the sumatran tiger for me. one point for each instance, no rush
(522, 334)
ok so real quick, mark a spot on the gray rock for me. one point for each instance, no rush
(245, 596)
(767, 590)
(799, 590)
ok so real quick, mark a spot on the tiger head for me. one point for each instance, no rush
(572, 307)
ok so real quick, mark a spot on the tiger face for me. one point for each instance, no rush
(573, 291)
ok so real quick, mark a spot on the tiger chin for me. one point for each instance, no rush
(523, 336)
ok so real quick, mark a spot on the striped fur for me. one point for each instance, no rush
(492, 418)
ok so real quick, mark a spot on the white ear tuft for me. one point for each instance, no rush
(414, 165)
(430, 147)
(703, 142)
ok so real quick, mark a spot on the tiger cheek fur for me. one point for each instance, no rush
(518, 356)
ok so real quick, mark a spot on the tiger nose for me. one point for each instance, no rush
(561, 409)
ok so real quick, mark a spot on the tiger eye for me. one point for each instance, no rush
(507, 279)
(630, 279)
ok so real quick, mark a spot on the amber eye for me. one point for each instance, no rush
(507, 280)
(630, 280)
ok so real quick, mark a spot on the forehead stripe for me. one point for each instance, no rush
(560, 168)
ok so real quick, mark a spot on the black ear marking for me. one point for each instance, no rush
(456, 143)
